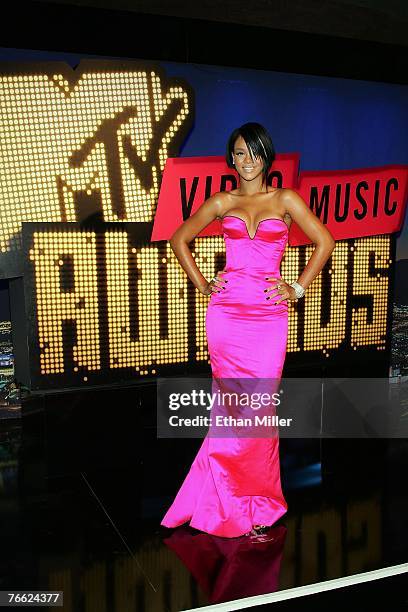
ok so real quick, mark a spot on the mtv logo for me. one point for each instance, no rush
(90, 141)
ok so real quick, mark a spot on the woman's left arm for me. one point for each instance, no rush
(314, 229)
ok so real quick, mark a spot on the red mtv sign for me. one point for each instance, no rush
(352, 203)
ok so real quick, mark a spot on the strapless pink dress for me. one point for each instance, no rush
(234, 482)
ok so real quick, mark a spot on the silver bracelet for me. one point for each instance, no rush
(299, 290)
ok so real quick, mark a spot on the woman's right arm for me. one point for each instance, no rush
(179, 241)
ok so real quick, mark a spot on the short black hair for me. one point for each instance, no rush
(259, 144)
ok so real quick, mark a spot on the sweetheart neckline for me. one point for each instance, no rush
(259, 223)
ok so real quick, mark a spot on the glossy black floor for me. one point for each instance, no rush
(84, 483)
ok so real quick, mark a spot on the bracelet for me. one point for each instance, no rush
(299, 290)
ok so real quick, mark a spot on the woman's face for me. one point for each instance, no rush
(246, 167)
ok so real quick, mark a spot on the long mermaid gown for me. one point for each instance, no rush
(234, 482)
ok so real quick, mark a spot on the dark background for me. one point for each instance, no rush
(364, 39)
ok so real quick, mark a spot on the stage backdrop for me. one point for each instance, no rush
(87, 151)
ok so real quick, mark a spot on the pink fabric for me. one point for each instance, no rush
(228, 569)
(234, 482)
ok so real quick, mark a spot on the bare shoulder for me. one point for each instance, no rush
(301, 213)
(214, 204)
(288, 196)
(221, 198)
(209, 210)
(279, 201)
(293, 204)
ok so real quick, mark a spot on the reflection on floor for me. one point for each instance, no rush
(84, 483)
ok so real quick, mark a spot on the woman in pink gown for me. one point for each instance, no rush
(233, 487)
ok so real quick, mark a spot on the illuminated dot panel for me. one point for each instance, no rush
(152, 305)
(95, 142)
(134, 310)
(55, 305)
(320, 320)
(371, 280)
